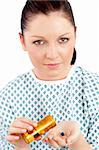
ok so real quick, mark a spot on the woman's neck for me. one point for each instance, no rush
(47, 77)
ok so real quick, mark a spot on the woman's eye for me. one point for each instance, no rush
(38, 42)
(63, 40)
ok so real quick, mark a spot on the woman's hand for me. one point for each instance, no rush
(19, 126)
(64, 134)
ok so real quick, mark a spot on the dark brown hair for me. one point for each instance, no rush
(35, 7)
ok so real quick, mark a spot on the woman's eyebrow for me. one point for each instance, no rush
(44, 37)
(64, 34)
(37, 36)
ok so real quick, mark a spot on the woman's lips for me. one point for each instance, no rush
(53, 66)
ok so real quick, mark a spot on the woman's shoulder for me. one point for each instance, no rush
(17, 83)
(89, 79)
(87, 75)
(90, 86)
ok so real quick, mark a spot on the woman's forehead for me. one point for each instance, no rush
(54, 22)
(52, 16)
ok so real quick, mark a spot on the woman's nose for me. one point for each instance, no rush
(52, 52)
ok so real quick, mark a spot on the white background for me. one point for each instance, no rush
(14, 61)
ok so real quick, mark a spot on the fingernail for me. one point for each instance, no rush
(17, 137)
(46, 140)
(30, 128)
(23, 130)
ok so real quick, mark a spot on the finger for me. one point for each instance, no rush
(61, 141)
(22, 125)
(13, 130)
(52, 142)
(12, 138)
(45, 138)
(28, 121)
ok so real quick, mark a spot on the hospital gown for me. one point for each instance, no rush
(73, 98)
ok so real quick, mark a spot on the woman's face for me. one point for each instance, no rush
(49, 41)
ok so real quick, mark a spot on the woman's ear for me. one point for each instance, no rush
(22, 41)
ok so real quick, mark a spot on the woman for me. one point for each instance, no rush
(54, 86)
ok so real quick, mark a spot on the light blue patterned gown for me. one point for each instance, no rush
(74, 98)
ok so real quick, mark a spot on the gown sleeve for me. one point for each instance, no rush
(92, 97)
(6, 117)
